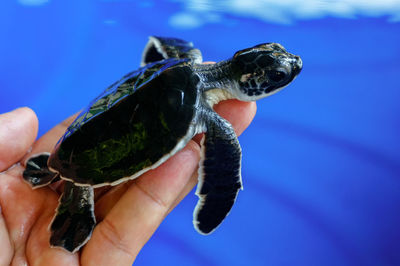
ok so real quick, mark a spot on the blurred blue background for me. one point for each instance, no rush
(321, 162)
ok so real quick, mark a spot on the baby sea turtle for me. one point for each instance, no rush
(149, 115)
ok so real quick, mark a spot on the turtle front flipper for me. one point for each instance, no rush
(36, 173)
(219, 174)
(160, 48)
(74, 221)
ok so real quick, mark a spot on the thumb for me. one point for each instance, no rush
(18, 130)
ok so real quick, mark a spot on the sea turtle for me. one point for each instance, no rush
(149, 115)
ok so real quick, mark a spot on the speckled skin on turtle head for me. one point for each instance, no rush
(149, 115)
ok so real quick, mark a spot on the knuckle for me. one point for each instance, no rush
(153, 196)
(110, 233)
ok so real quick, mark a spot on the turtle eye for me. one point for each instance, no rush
(277, 76)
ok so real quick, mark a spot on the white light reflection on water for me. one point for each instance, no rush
(33, 2)
(196, 13)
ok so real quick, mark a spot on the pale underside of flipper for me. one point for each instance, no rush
(159, 48)
(219, 175)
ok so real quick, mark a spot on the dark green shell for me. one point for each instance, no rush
(133, 125)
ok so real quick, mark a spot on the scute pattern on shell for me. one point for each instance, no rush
(119, 90)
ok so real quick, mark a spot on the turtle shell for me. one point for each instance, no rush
(133, 126)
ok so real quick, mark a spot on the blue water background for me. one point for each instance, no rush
(321, 161)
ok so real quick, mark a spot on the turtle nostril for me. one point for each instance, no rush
(299, 62)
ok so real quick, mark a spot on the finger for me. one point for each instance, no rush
(138, 213)
(5, 243)
(108, 200)
(20, 206)
(238, 113)
(18, 130)
(185, 191)
(28, 214)
(47, 141)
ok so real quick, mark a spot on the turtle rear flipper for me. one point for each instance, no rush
(219, 175)
(159, 48)
(74, 221)
(36, 173)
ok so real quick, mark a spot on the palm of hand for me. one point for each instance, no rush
(127, 215)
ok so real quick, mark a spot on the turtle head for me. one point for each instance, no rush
(263, 70)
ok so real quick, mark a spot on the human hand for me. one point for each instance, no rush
(127, 215)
